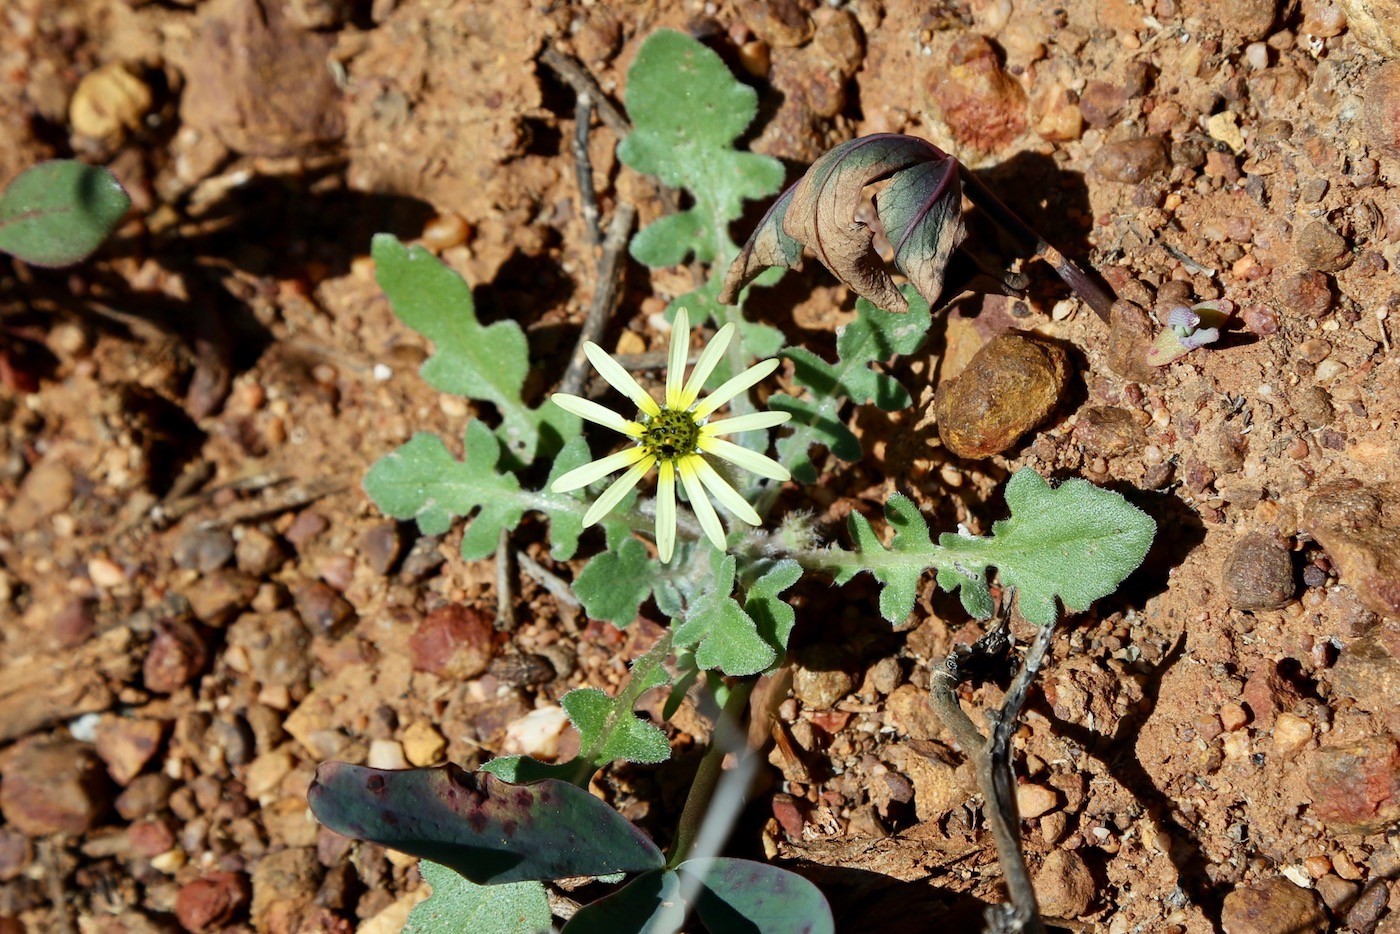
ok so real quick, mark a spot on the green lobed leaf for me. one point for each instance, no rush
(722, 634)
(874, 336)
(610, 733)
(1076, 541)
(457, 904)
(485, 363)
(770, 613)
(58, 213)
(488, 830)
(687, 110)
(613, 585)
(423, 481)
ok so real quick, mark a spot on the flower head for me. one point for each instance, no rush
(674, 436)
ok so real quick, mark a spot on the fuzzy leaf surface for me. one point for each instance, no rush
(613, 585)
(770, 613)
(687, 110)
(724, 636)
(488, 830)
(610, 733)
(457, 904)
(874, 336)
(1075, 543)
(59, 212)
(424, 482)
(486, 363)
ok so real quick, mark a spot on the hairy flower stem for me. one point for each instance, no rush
(728, 737)
(991, 756)
(1086, 285)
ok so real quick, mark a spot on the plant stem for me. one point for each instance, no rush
(991, 758)
(1086, 285)
(728, 737)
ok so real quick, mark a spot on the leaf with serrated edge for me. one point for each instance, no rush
(687, 110)
(486, 363)
(457, 904)
(875, 335)
(1076, 541)
(614, 583)
(630, 738)
(488, 830)
(58, 213)
(724, 636)
(773, 617)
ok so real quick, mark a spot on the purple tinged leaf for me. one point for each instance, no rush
(922, 212)
(1188, 329)
(739, 895)
(488, 830)
(769, 245)
(822, 213)
(651, 903)
(1182, 317)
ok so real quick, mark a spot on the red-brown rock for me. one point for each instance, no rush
(1356, 788)
(151, 837)
(984, 107)
(53, 786)
(210, 903)
(176, 656)
(453, 641)
(126, 745)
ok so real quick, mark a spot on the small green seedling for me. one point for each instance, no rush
(718, 569)
(58, 213)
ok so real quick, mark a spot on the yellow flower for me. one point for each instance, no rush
(674, 437)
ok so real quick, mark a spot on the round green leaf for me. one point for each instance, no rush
(57, 213)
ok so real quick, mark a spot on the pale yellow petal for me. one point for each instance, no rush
(709, 359)
(680, 349)
(750, 422)
(593, 412)
(733, 386)
(592, 472)
(619, 379)
(700, 503)
(726, 494)
(666, 511)
(752, 461)
(620, 488)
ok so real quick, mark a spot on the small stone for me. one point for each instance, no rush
(1130, 335)
(1233, 717)
(105, 573)
(1307, 293)
(203, 550)
(1321, 248)
(911, 713)
(1381, 109)
(108, 102)
(386, 754)
(1356, 788)
(537, 733)
(1370, 904)
(217, 597)
(1359, 528)
(289, 822)
(1336, 892)
(266, 772)
(1131, 160)
(260, 554)
(423, 560)
(16, 854)
(151, 837)
(323, 611)
(1064, 886)
(145, 796)
(1377, 24)
(175, 657)
(126, 745)
(1107, 431)
(1258, 574)
(983, 106)
(820, 678)
(1314, 404)
(790, 814)
(781, 23)
(1102, 102)
(1036, 800)
(382, 546)
(1266, 692)
(53, 786)
(212, 902)
(1008, 388)
(455, 642)
(305, 527)
(45, 491)
(1275, 906)
(423, 745)
(1248, 19)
